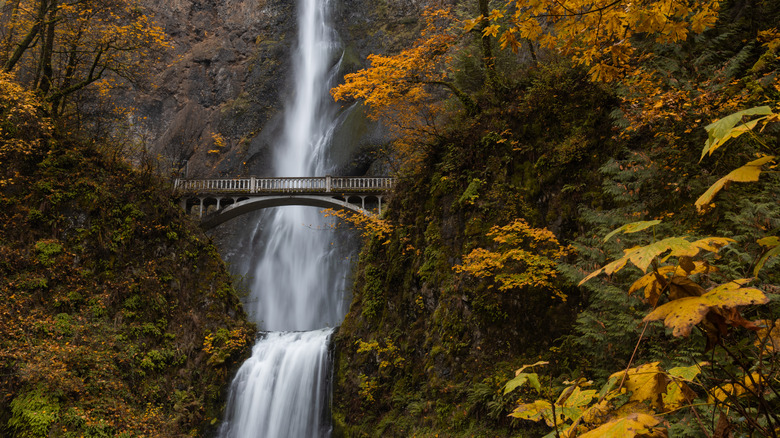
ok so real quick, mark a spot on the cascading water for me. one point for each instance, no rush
(297, 281)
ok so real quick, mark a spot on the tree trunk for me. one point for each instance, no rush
(47, 72)
(58, 103)
(22, 47)
(9, 15)
(488, 60)
(472, 109)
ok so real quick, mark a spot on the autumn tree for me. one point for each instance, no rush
(61, 47)
(24, 130)
(599, 34)
(525, 257)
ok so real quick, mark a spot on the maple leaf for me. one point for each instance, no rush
(768, 335)
(747, 173)
(643, 256)
(632, 425)
(684, 313)
(646, 383)
(678, 393)
(491, 30)
(722, 393)
(724, 129)
(633, 227)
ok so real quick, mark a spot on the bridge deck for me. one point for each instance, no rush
(275, 186)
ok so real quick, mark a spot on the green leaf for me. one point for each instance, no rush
(608, 386)
(726, 128)
(687, 373)
(534, 411)
(747, 173)
(632, 228)
(772, 242)
(682, 314)
(678, 393)
(520, 380)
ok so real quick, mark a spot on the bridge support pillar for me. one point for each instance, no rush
(380, 204)
(200, 212)
(363, 202)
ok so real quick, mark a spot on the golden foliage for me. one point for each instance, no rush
(84, 41)
(596, 33)
(23, 128)
(632, 425)
(607, 412)
(370, 226)
(525, 257)
(747, 173)
(398, 89)
(643, 256)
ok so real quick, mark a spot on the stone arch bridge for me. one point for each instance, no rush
(219, 200)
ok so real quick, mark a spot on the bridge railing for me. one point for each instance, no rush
(325, 184)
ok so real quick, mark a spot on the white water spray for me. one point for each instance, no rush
(298, 281)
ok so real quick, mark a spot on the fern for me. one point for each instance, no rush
(737, 64)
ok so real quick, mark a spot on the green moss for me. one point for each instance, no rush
(33, 413)
(46, 250)
(372, 292)
(116, 324)
(471, 193)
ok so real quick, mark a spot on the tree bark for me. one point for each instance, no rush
(488, 60)
(22, 47)
(47, 72)
(472, 109)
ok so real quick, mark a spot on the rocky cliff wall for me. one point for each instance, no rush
(227, 78)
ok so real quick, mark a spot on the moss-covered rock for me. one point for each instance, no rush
(118, 317)
(445, 342)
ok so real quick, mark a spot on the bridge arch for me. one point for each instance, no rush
(232, 197)
(258, 203)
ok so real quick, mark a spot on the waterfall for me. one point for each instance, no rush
(297, 278)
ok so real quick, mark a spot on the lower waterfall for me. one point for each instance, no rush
(283, 389)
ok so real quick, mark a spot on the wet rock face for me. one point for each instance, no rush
(228, 74)
(224, 76)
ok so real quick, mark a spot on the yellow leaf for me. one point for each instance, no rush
(678, 393)
(773, 243)
(491, 30)
(684, 313)
(726, 128)
(598, 413)
(471, 24)
(627, 427)
(722, 393)
(643, 256)
(632, 228)
(646, 382)
(747, 173)
(768, 337)
(533, 411)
